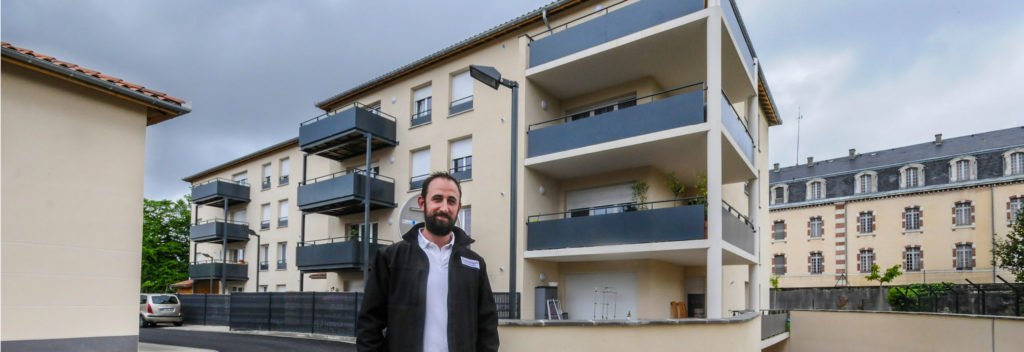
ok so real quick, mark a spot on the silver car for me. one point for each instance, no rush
(159, 308)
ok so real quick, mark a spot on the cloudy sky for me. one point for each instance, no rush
(864, 74)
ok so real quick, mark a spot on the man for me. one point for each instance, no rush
(429, 292)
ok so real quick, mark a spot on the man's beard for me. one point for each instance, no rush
(439, 224)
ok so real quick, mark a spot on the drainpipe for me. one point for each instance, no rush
(992, 221)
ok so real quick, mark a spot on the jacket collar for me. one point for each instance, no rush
(461, 238)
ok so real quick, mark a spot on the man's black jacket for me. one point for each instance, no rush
(395, 298)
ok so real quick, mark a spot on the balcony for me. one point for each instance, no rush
(606, 25)
(213, 270)
(678, 107)
(419, 118)
(737, 229)
(618, 224)
(214, 192)
(213, 231)
(737, 129)
(342, 135)
(332, 254)
(462, 172)
(460, 105)
(342, 193)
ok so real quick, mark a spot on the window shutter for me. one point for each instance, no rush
(462, 86)
(462, 148)
(421, 94)
(421, 162)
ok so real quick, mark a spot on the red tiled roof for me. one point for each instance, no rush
(183, 284)
(97, 74)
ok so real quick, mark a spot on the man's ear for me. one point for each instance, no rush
(419, 200)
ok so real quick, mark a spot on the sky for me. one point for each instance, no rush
(866, 74)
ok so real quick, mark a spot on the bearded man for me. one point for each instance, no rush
(429, 292)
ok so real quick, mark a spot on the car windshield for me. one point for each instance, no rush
(165, 300)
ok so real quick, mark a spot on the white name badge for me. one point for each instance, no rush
(475, 264)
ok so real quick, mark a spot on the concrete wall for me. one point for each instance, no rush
(877, 331)
(73, 161)
(734, 336)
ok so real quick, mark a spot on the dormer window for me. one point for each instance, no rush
(962, 169)
(780, 194)
(912, 176)
(816, 189)
(1013, 161)
(866, 182)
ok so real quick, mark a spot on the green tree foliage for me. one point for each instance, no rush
(916, 297)
(1009, 252)
(165, 227)
(890, 274)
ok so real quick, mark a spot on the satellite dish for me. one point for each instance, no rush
(410, 215)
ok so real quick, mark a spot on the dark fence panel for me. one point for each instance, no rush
(292, 311)
(250, 311)
(336, 312)
(218, 309)
(194, 309)
(501, 299)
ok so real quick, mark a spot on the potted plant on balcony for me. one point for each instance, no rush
(702, 197)
(675, 185)
(640, 189)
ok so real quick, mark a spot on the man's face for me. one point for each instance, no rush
(441, 207)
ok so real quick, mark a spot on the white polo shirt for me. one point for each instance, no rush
(435, 326)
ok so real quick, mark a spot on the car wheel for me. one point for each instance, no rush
(178, 323)
(142, 322)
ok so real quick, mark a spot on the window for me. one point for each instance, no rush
(963, 214)
(266, 176)
(912, 219)
(779, 264)
(282, 288)
(374, 169)
(599, 200)
(610, 105)
(241, 178)
(462, 159)
(355, 232)
(282, 255)
(265, 219)
(912, 176)
(779, 230)
(815, 189)
(283, 180)
(815, 227)
(779, 194)
(264, 257)
(1014, 161)
(464, 220)
(462, 93)
(282, 213)
(912, 260)
(866, 182)
(420, 168)
(263, 288)
(421, 106)
(964, 257)
(866, 222)
(237, 288)
(236, 255)
(1013, 208)
(817, 265)
(962, 169)
(374, 108)
(866, 260)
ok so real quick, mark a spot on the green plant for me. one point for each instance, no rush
(702, 185)
(918, 297)
(890, 274)
(640, 189)
(675, 185)
(1009, 252)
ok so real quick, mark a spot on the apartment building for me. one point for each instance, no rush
(73, 151)
(934, 209)
(571, 191)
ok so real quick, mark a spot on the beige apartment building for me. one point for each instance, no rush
(568, 192)
(934, 209)
(72, 138)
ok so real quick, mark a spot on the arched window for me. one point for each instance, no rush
(962, 169)
(816, 189)
(1013, 161)
(866, 182)
(912, 176)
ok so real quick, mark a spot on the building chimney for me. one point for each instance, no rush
(810, 161)
(776, 167)
(938, 139)
(853, 153)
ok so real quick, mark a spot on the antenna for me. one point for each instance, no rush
(799, 116)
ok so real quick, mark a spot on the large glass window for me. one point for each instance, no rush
(910, 177)
(964, 216)
(816, 227)
(265, 217)
(913, 259)
(815, 190)
(817, 263)
(963, 170)
(780, 194)
(420, 167)
(964, 257)
(867, 222)
(779, 265)
(421, 106)
(462, 158)
(865, 183)
(282, 213)
(1016, 204)
(462, 93)
(285, 172)
(867, 258)
(779, 230)
(266, 176)
(282, 255)
(912, 218)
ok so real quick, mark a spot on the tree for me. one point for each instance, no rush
(890, 274)
(165, 228)
(1009, 252)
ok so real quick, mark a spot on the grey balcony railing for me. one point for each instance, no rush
(282, 221)
(342, 193)
(337, 253)
(212, 269)
(677, 107)
(737, 228)
(282, 264)
(215, 191)
(734, 20)
(462, 172)
(738, 130)
(629, 223)
(416, 182)
(283, 180)
(774, 322)
(265, 224)
(460, 105)
(266, 182)
(264, 265)
(419, 118)
(213, 230)
(325, 134)
(604, 25)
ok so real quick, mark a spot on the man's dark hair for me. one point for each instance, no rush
(437, 175)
